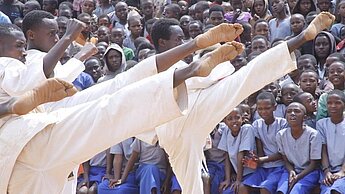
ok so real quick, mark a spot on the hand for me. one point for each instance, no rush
(165, 186)
(338, 175)
(251, 161)
(74, 28)
(293, 179)
(235, 186)
(114, 182)
(328, 180)
(223, 185)
(107, 176)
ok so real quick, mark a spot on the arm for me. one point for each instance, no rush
(313, 164)
(134, 158)
(168, 177)
(109, 159)
(118, 158)
(86, 166)
(326, 167)
(259, 147)
(270, 158)
(227, 167)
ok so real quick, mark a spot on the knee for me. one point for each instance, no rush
(150, 168)
(93, 189)
(82, 190)
(334, 192)
(243, 189)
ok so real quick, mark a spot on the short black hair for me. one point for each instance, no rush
(161, 30)
(260, 21)
(261, 37)
(202, 5)
(298, 97)
(7, 29)
(308, 56)
(35, 18)
(216, 8)
(310, 71)
(339, 56)
(83, 15)
(339, 93)
(66, 4)
(103, 16)
(174, 7)
(267, 96)
(62, 18)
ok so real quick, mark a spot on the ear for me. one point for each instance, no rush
(161, 42)
(30, 34)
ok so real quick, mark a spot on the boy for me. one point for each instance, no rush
(259, 43)
(308, 82)
(332, 130)
(269, 161)
(300, 147)
(194, 29)
(135, 28)
(280, 25)
(172, 11)
(308, 101)
(216, 15)
(117, 36)
(297, 23)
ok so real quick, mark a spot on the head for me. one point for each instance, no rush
(103, 34)
(259, 43)
(304, 7)
(103, 20)
(166, 34)
(266, 105)
(336, 74)
(334, 57)
(143, 54)
(135, 26)
(278, 7)
(62, 24)
(273, 88)
(336, 104)
(12, 42)
(234, 120)
(184, 7)
(292, 4)
(295, 114)
(259, 8)
(195, 28)
(93, 67)
(88, 6)
(237, 4)
(307, 100)
(216, 15)
(340, 11)
(86, 18)
(50, 6)
(184, 22)
(289, 91)
(200, 7)
(121, 10)
(324, 5)
(114, 59)
(261, 27)
(227, 7)
(239, 61)
(172, 11)
(117, 36)
(65, 11)
(308, 81)
(101, 50)
(247, 113)
(30, 6)
(324, 45)
(41, 30)
(191, 11)
(253, 55)
(142, 40)
(297, 23)
(147, 8)
(306, 62)
(205, 16)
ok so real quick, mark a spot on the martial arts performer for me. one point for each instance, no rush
(184, 137)
(29, 166)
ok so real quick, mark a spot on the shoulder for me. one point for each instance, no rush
(283, 132)
(311, 131)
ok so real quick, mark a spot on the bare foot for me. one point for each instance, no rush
(86, 51)
(319, 23)
(223, 53)
(221, 33)
(50, 91)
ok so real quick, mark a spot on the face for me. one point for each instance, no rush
(305, 6)
(309, 102)
(87, 21)
(88, 6)
(65, 12)
(117, 36)
(259, 44)
(135, 27)
(101, 50)
(103, 34)
(103, 22)
(46, 35)
(198, 13)
(259, 7)
(184, 22)
(14, 46)
(289, 91)
(292, 4)
(295, 114)
(121, 11)
(93, 68)
(272, 88)
(147, 8)
(142, 54)
(62, 28)
(27, 8)
(322, 46)
(277, 6)
(216, 18)
(336, 74)
(169, 13)
(194, 30)
(324, 5)
(184, 6)
(335, 105)
(205, 16)
(308, 82)
(247, 113)
(234, 121)
(48, 6)
(341, 10)
(265, 109)
(114, 60)
(176, 37)
(330, 60)
(261, 29)
(237, 4)
(297, 24)
(304, 64)
(239, 62)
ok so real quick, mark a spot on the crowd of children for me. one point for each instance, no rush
(286, 138)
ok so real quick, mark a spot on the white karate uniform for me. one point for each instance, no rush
(183, 138)
(39, 150)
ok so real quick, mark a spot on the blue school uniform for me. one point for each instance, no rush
(338, 185)
(303, 186)
(97, 168)
(128, 187)
(267, 176)
(175, 186)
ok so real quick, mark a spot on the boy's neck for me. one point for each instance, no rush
(269, 121)
(342, 20)
(281, 15)
(338, 119)
(123, 22)
(133, 36)
(339, 87)
(235, 134)
(297, 131)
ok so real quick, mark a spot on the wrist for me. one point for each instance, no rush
(326, 169)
